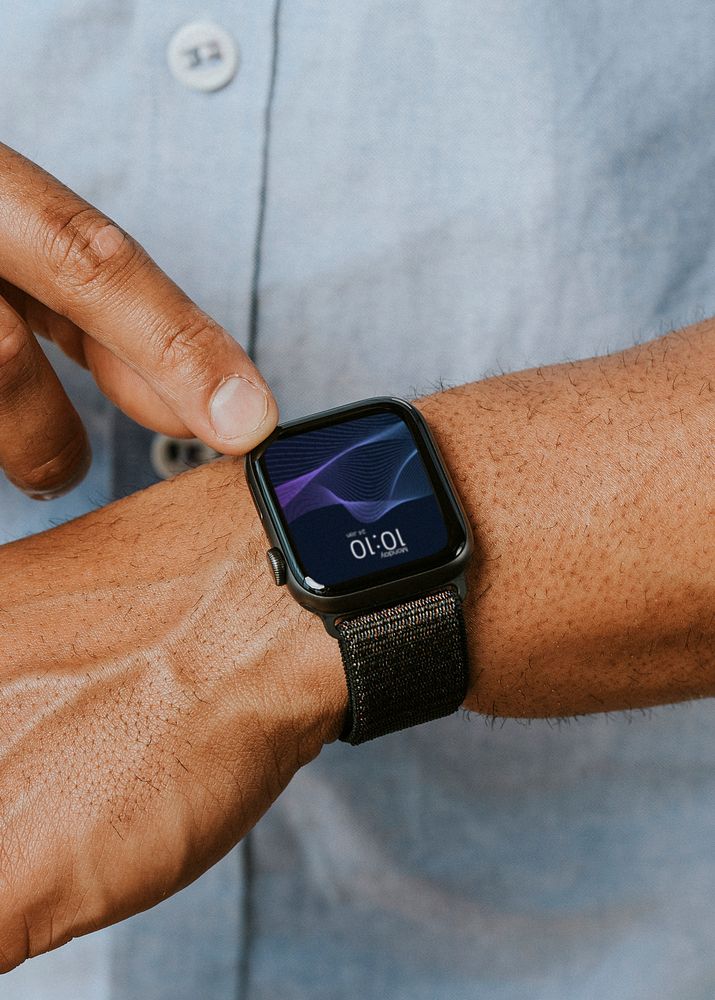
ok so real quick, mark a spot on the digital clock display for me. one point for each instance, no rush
(356, 498)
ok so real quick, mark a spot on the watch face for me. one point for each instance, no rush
(360, 497)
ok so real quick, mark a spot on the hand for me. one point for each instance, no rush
(70, 274)
(158, 692)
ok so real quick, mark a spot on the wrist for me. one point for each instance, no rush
(261, 640)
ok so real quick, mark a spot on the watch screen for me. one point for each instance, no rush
(357, 498)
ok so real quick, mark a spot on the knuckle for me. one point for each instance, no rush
(187, 346)
(66, 244)
(13, 345)
(18, 365)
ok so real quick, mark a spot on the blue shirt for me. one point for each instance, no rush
(438, 190)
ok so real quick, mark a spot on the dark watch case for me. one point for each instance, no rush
(391, 587)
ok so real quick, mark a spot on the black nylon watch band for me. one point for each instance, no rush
(405, 664)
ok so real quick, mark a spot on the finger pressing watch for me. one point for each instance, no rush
(367, 531)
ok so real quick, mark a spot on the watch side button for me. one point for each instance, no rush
(278, 566)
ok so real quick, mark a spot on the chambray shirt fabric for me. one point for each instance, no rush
(452, 187)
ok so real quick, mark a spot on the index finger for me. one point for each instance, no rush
(70, 256)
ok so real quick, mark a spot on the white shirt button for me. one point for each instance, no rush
(203, 56)
(170, 455)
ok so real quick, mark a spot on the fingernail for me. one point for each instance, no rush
(49, 494)
(107, 241)
(55, 492)
(238, 408)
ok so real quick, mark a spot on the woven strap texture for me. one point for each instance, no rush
(404, 664)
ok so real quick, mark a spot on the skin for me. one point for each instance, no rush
(70, 274)
(159, 691)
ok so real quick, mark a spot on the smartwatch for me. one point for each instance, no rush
(367, 531)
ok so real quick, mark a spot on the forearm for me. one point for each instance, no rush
(590, 488)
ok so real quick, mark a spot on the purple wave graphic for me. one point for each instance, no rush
(370, 474)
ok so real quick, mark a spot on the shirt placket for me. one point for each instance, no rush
(199, 139)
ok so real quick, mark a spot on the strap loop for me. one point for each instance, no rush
(405, 664)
